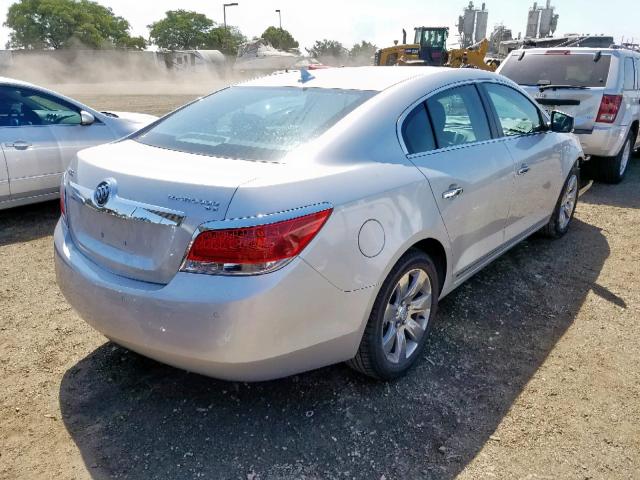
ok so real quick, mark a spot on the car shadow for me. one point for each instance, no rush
(623, 195)
(23, 224)
(134, 418)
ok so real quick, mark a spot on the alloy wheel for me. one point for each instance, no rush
(568, 202)
(406, 316)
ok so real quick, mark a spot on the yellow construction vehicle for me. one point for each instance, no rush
(470, 57)
(430, 49)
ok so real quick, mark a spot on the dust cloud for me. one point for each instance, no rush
(112, 73)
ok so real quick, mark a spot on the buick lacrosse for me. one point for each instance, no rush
(304, 219)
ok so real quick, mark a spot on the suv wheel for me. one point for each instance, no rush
(399, 323)
(563, 213)
(612, 170)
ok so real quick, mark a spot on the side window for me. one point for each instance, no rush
(21, 107)
(629, 74)
(458, 117)
(416, 131)
(637, 73)
(516, 113)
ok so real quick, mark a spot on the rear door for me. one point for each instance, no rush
(470, 173)
(563, 80)
(536, 156)
(30, 149)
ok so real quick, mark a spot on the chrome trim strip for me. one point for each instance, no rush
(265, 219)
(125, 208)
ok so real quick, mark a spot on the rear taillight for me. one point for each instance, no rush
(609, 107)
(253, 249)
(63, 200)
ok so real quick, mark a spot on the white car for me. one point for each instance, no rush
(300, 220)
(599, 87)
(41, 132)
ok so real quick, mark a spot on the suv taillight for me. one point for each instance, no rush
(255, 249)
(609, 107)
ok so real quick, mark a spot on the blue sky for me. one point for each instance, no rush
(379, 21)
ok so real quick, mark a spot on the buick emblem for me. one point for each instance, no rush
(102, 193)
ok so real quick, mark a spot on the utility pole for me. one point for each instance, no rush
(224, 12)
(279, 17)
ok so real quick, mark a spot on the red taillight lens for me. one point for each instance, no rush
(256, 245)
(63, 206)
(609, 107)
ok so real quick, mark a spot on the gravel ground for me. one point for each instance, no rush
(531, 372)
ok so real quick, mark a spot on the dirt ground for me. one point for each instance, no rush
(531, 372)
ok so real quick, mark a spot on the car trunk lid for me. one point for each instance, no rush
(154, 201)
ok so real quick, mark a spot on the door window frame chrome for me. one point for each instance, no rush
(422, 100)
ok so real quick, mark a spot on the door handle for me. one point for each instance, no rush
(453, 192)
(523, 169)
(18, 145)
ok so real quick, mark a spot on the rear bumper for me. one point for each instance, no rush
(604, 141)
(236, 328)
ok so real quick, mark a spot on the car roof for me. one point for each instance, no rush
(359, 78)
(13, 81)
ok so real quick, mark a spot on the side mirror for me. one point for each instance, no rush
(86, 118)
(561, 122)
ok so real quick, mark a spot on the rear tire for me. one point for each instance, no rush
(400, 320)
(613, 169)
(565, 207)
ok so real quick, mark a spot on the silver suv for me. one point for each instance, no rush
(600, 88)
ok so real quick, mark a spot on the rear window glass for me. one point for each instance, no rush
(458, 117)
(575, 70)
(417, 132)
(253, 123)
(629, 74)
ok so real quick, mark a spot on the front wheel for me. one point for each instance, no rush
(399, 323)
(565, 207)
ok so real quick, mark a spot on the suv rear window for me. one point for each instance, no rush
(253, 123)
(579, 70)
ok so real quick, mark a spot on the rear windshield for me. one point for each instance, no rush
(575, 70)
(253, 123)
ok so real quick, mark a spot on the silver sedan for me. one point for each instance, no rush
(41, 132)
(304, 219)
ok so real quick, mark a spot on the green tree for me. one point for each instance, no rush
(362, 50)
(227, 40)
(280, 38)
(181, 30)
(46, 24)
(326, 49)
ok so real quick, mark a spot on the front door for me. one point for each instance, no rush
(536, 156)
(33, 160)
(471, 176)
